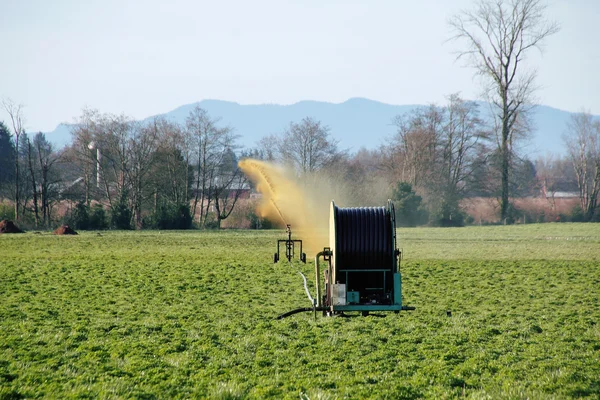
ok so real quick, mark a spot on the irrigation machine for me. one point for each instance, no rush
(360, 267)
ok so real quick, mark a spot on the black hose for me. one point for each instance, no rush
(299, 310)
(364, 238)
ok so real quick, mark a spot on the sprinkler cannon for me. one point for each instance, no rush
(290, 247)
(361, 265)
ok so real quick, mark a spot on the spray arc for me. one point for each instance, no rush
(287, 203)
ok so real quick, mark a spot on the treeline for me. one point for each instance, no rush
(125, 174)
(438, 157)
(159, 174)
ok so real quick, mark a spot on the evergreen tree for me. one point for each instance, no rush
(7, 161)
(409, 210)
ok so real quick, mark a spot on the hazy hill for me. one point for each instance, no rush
(356, 122)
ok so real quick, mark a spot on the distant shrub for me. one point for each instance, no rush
(258, 222)
(541, 216)
(409, 210)
(562, 217)
(83, 217)
(448, 215)
(512, 214)
(528, 215)
(120, 216)
(211, 222)
(7, 211)
(171, 216)
(577, 214)
(97, 218)
(80, 218)
(239, 217)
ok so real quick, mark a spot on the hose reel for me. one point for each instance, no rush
(362, 263)
(364, 256)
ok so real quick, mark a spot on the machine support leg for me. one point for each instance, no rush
(325, 253)
(318, 278)
(398, 289)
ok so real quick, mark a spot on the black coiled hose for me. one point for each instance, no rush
(363, 238)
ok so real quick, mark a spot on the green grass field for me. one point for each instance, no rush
(190, 315)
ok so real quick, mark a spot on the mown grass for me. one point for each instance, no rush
(190, 315)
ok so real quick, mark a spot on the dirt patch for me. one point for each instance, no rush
(64, 230)
(7, 226)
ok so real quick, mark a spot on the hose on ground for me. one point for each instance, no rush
(299, 310)
(310, 298)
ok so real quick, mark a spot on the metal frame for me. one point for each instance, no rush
(290, 247)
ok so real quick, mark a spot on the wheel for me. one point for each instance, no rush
(303, 257)
(365, 313)
(275, 258)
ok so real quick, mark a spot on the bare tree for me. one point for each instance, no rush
(267, 148)
(15, 112)
(46, 157)
(211, 144)
(365, 178)
(436, 151)
(30, 157)
(88, 135)
(583, 143)
(228, 186)
(415, 143)
(171, 170)
(462, 139)
(555, 175)
(497, 36)
(141, 147)
(308, 147)
(463, 135)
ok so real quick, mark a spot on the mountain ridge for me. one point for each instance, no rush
(357, 122)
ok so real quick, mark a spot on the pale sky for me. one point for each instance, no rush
(148, 57)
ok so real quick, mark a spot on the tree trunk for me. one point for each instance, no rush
(197, 190)
(17, 178)
(45, 207)
(504, 202)
(33, 185)
(203, 211)
(44, 189)
(187, 175)
(218, 210)
(505, 152)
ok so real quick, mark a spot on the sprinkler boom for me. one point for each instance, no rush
(290, 247)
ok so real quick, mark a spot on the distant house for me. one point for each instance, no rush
(560, 190)
(243, 188)
(563, 195)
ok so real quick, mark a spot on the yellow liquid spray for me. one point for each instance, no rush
(305, 207)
